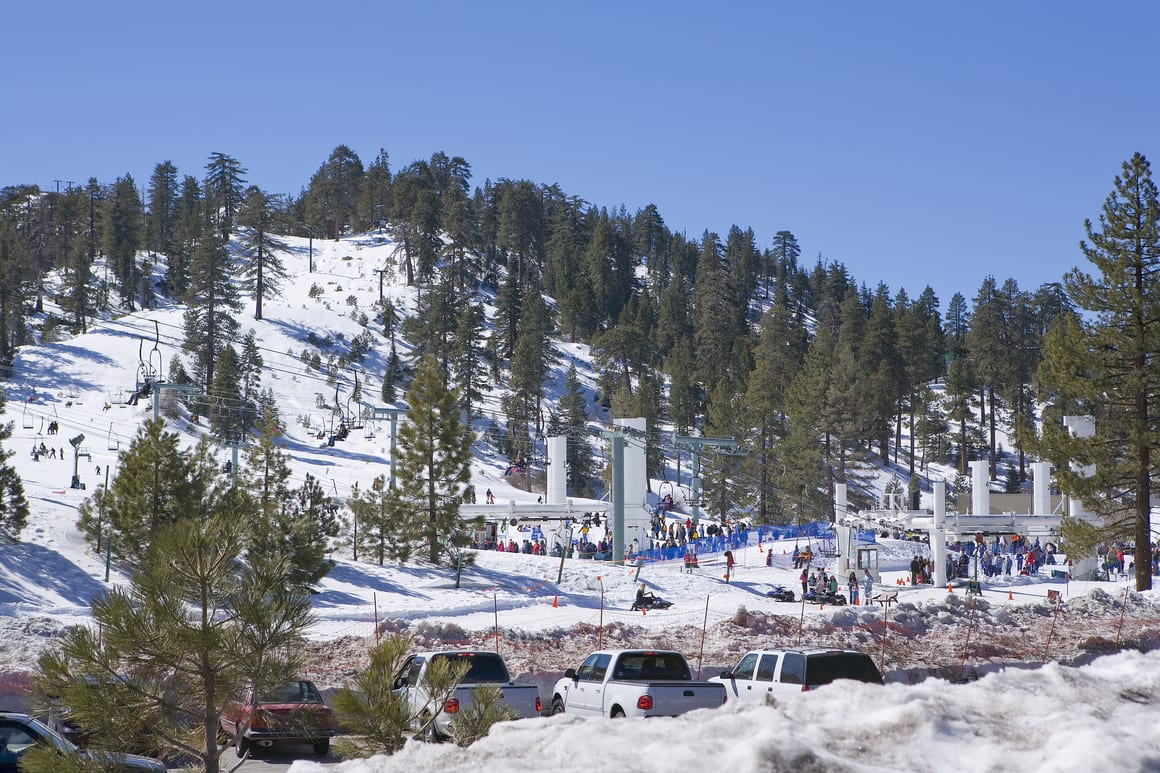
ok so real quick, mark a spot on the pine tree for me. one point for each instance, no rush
(991, 348)
(191, 631)
(374, 200)
(724, 486)
(435, 460)
(155, 487)
(468, 357)
(1116, 375)
(781, 345)
(805, 475)
(285, 525)
(262, 271)
(14, 509)
(224, 191)
(573, 422)
(883, 365)
(123, 237)
(227, 409)
(684, 394)
(784, 256)
(382, 523)
(529, 365)
(162, 218)
(332, 198)
(209, 323)
(716, 316)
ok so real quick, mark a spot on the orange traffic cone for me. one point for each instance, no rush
(1010, 596)
(555, 599)
(950, 588)
(643, 611)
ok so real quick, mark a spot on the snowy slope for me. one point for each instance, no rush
(548, 614)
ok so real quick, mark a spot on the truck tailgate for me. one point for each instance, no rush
(677, 697)
(521, 698)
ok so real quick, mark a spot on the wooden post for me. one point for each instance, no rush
(967, 643)
(1123, 609)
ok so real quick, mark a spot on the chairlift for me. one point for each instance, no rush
(113, 440)
(370, 429)
(155, 363)
(356, 418)
(27, 421)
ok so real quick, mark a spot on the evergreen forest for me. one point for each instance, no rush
(819, 374)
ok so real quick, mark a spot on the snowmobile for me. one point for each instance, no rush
(833, 599)
(649, 603)
(780, 593)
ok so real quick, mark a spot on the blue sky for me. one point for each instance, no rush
(920, 143)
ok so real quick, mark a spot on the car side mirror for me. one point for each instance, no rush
(570, 674)
(726, 675)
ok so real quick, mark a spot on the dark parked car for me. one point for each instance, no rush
(20, 732)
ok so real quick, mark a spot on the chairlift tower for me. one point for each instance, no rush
(694, 444)
(393, 414)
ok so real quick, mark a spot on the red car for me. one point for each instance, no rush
(292, 713)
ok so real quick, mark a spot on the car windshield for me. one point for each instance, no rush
(651, 665)
(484, 666)
(301, 691)
(61, 743)
(825, 668)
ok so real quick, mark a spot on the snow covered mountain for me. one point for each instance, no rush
(545, 614)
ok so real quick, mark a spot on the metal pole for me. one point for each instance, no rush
(101, 516)
(563, 554)
(704, 627)
(695, 488)
(618, 498)
(394, 426)
(495, 604)
(600, 633)
(885, 630)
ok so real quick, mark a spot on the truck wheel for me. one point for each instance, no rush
(617, 713)
(322, 748)
(430, 734)
(557, 706)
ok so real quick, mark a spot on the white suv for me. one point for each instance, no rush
(763, 673)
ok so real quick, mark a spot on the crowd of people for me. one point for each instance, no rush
(1004, 555)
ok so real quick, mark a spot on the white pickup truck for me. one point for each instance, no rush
(633, 683)
(483, 668)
